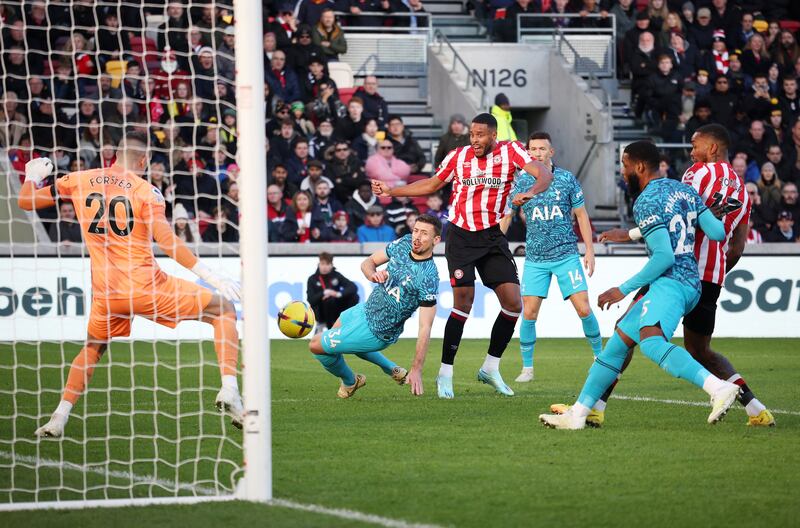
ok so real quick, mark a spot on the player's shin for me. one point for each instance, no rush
(226, 344)
(453, 331)
(675, 360)
(336, 365)
(527, 341)
(79, 374)
(604, 372)
(591, 329)
(379, 359)
(502, 331)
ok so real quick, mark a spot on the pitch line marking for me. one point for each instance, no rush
(687, 402)
(342, 513)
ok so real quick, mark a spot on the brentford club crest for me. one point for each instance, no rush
(458, 274)
(497, 159)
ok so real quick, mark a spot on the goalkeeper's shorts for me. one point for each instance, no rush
(174, 300)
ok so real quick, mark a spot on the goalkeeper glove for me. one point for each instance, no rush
(227, 287)
(37, 170)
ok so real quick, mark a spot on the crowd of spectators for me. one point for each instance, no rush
(76, 75)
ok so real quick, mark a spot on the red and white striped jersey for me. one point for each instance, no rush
(717, 182)
(481, 185)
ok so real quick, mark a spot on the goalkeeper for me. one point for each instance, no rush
(120, 213)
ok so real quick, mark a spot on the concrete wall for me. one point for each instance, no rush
(445, 94)
(15, 224)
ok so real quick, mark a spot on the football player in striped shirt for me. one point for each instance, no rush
(482, 174)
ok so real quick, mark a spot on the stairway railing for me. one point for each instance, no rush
(472, 80)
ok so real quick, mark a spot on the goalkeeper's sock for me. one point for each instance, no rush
(337, 366)
(675, 360)
(64, 408)
(80, 373)
(591, 329)
(226, 343)
(379, 359)
(502, 330)
(527, 341)
(606, 368)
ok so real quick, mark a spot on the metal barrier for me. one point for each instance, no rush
(471, 80)
(590, 50)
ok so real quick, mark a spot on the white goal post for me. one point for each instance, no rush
(146, 430)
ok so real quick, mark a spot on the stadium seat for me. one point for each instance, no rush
(345, 94)
(146, 51)
(791, 25)
(342, 74)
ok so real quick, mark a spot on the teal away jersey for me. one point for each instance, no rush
(411, 284)
(674, 206)
(548, 216)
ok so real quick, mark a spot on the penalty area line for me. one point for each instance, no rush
(33, 462)
(686, 402)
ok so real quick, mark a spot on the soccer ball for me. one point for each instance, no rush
(296, 319)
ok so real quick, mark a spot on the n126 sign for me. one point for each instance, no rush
(502, 78)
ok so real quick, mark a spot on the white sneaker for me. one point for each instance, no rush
(54, 428)
(721, 401)
(525, 376)
(229, 401)
(568, 420)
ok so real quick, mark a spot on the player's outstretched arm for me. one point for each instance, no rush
(30, 198)
(177, 250)
(370, 267)
(586, 234)
(661, 259)
(418, 188)
(426, 317)
(543, 180)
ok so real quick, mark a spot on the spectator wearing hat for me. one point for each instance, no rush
(501, 110)
(739, 81)
(341, 230)
(783, 230)
(701, 34)
(299, 55)
(406, 147)
(631, 39)
(226, 54)
(717, 60)
(301, 122)
(769, 189)
(456, 136)
(702, 84)
(360, 202)
(374, 230)
(314, 169)
(688, 14)
(723, 102)
(281, 79)
(386, 167)
(758, 103)
(329, 36)
(700, 117)
(345, 170)
(329, 292)
(183, 227)
(283, 26)
(374, 104)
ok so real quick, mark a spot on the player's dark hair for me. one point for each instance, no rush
(716, 132)
(326, 257)
(432, 220)
(486, 119)
(645, 152)
(540, 135)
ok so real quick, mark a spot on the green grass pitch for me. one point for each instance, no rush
(478, 460)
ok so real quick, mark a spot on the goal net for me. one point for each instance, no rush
(76, 76)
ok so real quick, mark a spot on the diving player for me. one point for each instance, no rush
(410, 280)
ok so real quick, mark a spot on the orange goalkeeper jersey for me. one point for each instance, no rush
(120, 214)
